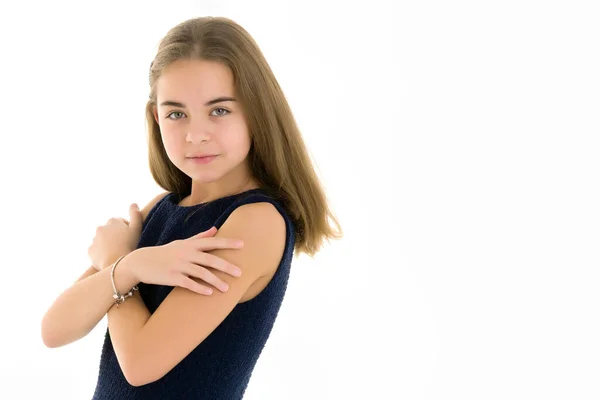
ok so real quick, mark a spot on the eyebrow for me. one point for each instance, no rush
(208, 103)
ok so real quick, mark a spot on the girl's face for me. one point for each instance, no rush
(199, 116)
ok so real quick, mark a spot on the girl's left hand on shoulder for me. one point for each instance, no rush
(116, 238)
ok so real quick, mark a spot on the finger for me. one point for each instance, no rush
(207, 244)
(135, 217)
(205, 275)
(212, 261)
(207, 233)
(192, 285)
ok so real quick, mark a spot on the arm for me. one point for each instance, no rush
(88, 272)
(148, 346)
(80, 307)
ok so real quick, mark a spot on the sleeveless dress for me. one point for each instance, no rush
(220, 367)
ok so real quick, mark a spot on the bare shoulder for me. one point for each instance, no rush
(152, 203)
(263, 230)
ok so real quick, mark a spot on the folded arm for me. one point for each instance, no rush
(148, 346)
(80, 307)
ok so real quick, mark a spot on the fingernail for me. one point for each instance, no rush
(237, 272)
(239, 243)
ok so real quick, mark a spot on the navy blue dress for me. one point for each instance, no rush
(221, 366)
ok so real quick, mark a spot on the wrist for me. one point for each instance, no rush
(125, 277)
(111, 260)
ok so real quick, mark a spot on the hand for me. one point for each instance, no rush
(118, 237)
(175, 263)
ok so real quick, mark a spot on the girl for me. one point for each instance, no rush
(241, 198)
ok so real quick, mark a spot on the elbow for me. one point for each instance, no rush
(133, 375)
(130, 368)
(52, 336)
(48, 342)
(139, 376)
(139, 373)
(51, 342)
(133, 380)
(48, 335)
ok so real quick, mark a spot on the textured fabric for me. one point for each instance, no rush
(220, 367)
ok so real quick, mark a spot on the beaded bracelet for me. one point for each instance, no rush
(119, 298)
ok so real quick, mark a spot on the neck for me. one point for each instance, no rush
(203, 192)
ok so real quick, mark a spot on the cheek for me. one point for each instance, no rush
(171, 142)
(238, 146)
(239, 137)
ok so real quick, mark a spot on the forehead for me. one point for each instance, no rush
(194, 81)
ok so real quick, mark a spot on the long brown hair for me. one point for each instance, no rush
(278, 157)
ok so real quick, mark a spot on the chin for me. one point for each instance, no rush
(206, 176)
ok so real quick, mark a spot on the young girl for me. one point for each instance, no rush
(240, 196)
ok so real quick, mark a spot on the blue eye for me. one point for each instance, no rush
(222, 109)
(175, 112)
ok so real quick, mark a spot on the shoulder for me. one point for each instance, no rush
(262, 228)
(260, 218)
(153, 202)
(258, 210)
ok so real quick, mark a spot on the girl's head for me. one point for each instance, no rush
(198, 114)
(230, 105)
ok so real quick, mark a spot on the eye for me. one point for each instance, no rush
(225, 112)
(174, 113)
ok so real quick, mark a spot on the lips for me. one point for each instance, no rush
(202, 155)
(202, 159)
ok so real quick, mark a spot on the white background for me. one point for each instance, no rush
(458, 142)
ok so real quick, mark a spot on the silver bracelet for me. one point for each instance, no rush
(119, 298)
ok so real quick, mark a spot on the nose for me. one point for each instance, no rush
(197, 134)
(196, 138)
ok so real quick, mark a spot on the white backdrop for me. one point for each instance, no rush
(458, 142)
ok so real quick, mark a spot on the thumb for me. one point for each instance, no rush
(207, 233)
(135, 217)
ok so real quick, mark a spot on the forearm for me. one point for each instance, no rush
(125, 323)
(79, 308)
